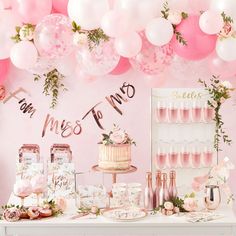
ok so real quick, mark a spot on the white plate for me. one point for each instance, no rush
(124, 214)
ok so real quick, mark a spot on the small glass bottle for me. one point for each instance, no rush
(157, 189)
(163, 193)
(148, 197)
(172, 187)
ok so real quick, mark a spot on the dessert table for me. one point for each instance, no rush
(151, 225)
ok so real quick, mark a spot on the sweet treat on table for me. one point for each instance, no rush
(39, 184)
(45, 212)
(22, 188)
(33, 212)
(61, 153)
(115, 150)
(29, 153)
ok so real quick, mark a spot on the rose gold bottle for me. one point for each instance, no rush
(148, 197)
(163, 193)
(157, 189)
(172, 187)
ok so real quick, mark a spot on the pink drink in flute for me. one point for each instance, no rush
(161, 160)
(184, 113)
(208, 113)
(184, 158)
(172, 113)
(173, 159)
(196, 112)
(161, 112)
(196, 159)
(207, 158)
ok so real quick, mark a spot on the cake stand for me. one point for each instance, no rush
(114, 173)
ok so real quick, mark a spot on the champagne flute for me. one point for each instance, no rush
(173, 156)
(161, 157)
(196, 111)
(184, 112)
(208, 113)
(161, 112)
(185, 156)
(196, 155)
(207, 155)
(172, 112)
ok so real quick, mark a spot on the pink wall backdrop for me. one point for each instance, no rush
(17, 128)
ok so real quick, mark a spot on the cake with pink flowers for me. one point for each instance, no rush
(115, 150)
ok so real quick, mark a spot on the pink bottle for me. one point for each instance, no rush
(172, 187)
(148, 194)
(157, 189)
(163, 193)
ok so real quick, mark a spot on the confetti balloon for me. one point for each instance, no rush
(42, 66)
(152, 59)
(101, 60)
(53, 36)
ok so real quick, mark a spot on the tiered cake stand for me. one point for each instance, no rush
(114, 173)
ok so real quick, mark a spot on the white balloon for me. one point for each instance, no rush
(128, 45)
(211, 22)
(8, 22)
(140, 12)
(24, 55)
(227, 6)
(66, 65)
(159, 31)
(87, 13)
(226, 49)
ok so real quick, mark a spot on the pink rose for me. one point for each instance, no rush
(227, 30)
(163, 211)
(61, 203)
(169, 206)
(12, 214)
(118, 137)
(169, 212)
(176, 210)
(190, 204)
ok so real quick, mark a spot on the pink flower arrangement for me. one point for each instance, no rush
(190, 204)
(116, 136)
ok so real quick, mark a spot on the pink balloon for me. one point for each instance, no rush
(224, 69)
(152, 59)
(32, 11)
(199, 45)
(156, 81)
(53, 36)
(122, 67)
(60, 6)
(4, 68)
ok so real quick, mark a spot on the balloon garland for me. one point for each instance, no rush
(108, 37)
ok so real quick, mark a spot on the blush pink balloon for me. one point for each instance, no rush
(152, 59)
(53, 36)
(4, 68)
(60, 6)
(122, 67)
(32, 11)
(224, 69)
(156, 81)
(199, 45)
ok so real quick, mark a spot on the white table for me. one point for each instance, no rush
(151, 225)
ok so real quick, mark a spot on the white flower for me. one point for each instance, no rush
(169, 206)
(174, 17)
(118, 137)
(26, 33)
(226, 84)
(80, 39)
